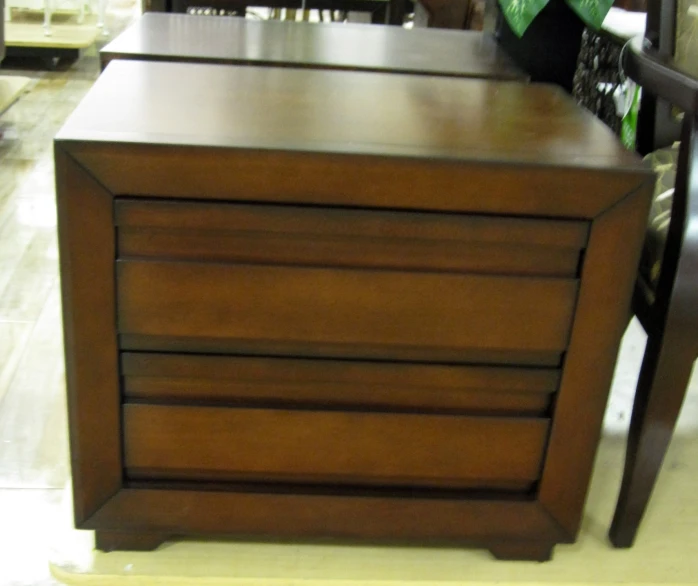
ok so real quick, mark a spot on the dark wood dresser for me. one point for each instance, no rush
(304, 303)
(385, 49)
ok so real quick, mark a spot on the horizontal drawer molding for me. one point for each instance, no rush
(337, 384)
(370, 314)
(215, 443)
(350, 238)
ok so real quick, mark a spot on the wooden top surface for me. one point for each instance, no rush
(181, 37)
(356, 113)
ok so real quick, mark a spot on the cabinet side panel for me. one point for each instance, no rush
(603, 310)
(86, 241)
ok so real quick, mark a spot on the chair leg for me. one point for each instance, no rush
(664, 376)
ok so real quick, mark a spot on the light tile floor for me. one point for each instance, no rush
(34, 470)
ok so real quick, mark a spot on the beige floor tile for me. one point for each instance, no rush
(11, 87)
(25, 549)
(24, 296)
(13, 341)
(33, 426)
(34, 457)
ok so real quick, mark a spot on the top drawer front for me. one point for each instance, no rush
(349, 238)
(301, 281)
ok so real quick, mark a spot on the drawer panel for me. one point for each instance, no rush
(356, 313)
(350, 238)
(338, 384)
(274, 445)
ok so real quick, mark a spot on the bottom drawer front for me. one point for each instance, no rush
(271, 445)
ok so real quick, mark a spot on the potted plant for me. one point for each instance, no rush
(543, 36)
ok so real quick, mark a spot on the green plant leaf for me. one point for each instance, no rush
(519, 14)
(592, 12)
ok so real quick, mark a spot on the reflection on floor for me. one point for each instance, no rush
(34, 469)
(11, 88)
(34, 466)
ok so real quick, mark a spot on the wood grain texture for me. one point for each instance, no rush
(348, 237)
(330, 447)
(310, 221)
(446, 149)
(276, 145)
(175, 37)
(237, 380)
(306, 516)
(363, 181)
(612, 257)
(338, 112)
(85, 216)
(368, 313)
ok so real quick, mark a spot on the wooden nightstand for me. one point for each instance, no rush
(332, 304)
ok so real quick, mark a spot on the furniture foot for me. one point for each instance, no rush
(531, 551)
(664, 376)
(128, 541)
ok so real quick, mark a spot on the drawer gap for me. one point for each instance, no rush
(344, 407)
(136, 345)
(334, 490)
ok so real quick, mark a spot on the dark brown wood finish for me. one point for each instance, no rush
(324, 118)
(591, 356)
(132, 541)
(353, 516)
(375, 182)
(238, 380)
(237, 41)
(535, 551)
(443, 162)
(87, 251)
(669, 312)
(293, 235)
(358, 313)
(324, 447)
(270, 111)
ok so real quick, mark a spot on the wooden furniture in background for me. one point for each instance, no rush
(668, 307)
(338, 304)
(172, 37)
(444, 14)
(391, 12)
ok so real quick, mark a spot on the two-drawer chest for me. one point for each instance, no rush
(311, 304)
